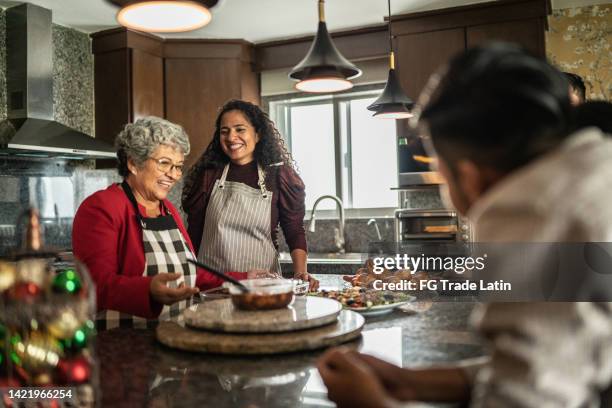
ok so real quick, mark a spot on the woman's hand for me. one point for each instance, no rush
(161, 293)
(313, 283)
(262, 274)
(350, 382)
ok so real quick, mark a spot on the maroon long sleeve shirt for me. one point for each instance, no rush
(288, 206)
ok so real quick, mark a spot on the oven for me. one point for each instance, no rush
(430, 225)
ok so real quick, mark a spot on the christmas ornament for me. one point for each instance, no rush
(65, 324)
(37, 353)
(73, 371)
(25, 292)
(7, 276)
(67, 282)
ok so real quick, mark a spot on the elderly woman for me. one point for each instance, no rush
(132, 238)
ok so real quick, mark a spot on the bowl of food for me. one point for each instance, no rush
(263, 294)
(300, 287)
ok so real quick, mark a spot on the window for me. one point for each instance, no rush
(341, 149)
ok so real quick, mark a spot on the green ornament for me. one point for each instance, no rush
(81, 337)
(67, 282)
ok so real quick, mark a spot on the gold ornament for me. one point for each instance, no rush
(37, 353)
(65, 325)
(7, 275)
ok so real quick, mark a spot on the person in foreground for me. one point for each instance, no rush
(132, 238)
(241, 189)
(577, 89)
(498, 119)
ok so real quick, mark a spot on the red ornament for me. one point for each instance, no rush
(74, 371)
(26, 291)
(9, 383)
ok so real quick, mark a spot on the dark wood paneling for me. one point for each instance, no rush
(475, 14)
(250, 84)
(190, 48)
(112, 93)
(419, 55)
(120, 38)
(147, 85)
(195, 90)
(361, 44)
(528, 33)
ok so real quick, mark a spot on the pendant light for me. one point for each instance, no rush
(323, 69)
(393, 103)
(164, 16)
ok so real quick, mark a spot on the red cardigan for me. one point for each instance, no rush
(108, 239)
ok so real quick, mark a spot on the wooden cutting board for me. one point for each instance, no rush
(304, 313)
(347, 327)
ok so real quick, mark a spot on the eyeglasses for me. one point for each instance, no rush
(165, 165)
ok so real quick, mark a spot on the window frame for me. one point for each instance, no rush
(343, 162)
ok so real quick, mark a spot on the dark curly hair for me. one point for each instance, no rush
(270, 149)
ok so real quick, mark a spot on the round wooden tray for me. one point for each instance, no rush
(347, 327)
(304, 313)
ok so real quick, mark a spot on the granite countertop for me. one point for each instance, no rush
(135, 370)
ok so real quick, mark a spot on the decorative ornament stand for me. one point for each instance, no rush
(47, 309)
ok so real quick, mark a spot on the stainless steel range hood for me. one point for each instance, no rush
(30, 129)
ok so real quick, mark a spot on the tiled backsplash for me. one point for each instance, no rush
(55, 187)
(357, 234)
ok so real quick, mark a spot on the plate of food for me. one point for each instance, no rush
(365, 276)
(367, 302)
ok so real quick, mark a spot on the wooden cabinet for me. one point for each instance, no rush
(128, 79)
(184, 81)
(528, 33)
(147, 85)
(427, 40)
(420, 54)
(200, 77)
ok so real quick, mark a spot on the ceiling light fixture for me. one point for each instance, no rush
(164, 16)
(393, 103)
(323, 69)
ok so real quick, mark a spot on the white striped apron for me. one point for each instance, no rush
(237, 233)
(165, 251)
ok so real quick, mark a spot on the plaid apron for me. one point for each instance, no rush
(237, 233)
(165, 251)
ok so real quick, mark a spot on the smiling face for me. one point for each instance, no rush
(238, 137)
(150, 181)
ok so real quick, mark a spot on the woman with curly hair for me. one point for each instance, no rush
(240, 190)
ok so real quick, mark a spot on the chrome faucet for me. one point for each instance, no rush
(338, 232)
(373, 221)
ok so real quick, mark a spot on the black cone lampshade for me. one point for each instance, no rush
(393, 103)
(164, 16)
(323, 69)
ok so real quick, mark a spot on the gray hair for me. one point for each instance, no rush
(138, 140)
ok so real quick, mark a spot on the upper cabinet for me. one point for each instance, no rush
(184, 81)
(427, 40)
(200, 76)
